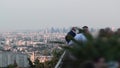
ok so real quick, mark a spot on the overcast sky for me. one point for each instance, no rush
(35, 14)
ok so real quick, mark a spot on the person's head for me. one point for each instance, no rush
(99, 62)
(102, 33)
(108, 29)
(108, 32)
(85, 28)
(99, 59)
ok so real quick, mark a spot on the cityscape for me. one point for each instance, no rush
(59, 33)
(18, 46)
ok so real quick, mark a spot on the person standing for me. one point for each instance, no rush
(87, 33)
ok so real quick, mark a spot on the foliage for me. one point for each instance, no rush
(107, 47)
(11, 66)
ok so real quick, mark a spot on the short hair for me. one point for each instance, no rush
(85, 27)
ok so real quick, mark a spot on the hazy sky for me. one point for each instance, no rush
(35, 14)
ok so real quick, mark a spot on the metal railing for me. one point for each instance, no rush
(60, 60)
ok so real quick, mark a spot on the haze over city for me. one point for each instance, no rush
(59, 33)
(36, 14)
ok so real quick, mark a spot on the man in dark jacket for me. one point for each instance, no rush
(72, 33)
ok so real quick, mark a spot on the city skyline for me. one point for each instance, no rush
(29, 14)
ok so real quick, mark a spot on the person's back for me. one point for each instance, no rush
(80, 37)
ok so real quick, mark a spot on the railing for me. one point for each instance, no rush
(60, 60)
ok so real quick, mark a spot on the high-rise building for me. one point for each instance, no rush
(7, 58)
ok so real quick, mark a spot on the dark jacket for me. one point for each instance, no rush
(71, 33)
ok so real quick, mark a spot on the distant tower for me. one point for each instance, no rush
(45, 38)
